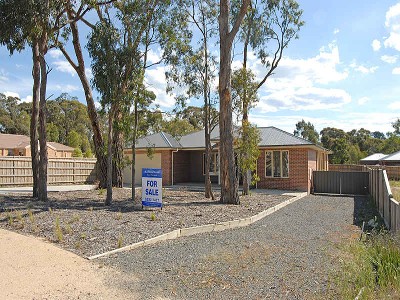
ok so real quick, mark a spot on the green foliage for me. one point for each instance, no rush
(177, 127)
(120, 241)
(88, 153)
(74, 139)
(247, 148)
(244, 90)
(58, 231)
(52, 132)
(13, 119)
(371, 269)
(77, 152)
(307, 131)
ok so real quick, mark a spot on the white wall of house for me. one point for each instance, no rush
(142, 161)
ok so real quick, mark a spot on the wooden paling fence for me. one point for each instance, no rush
(393, 172)
(17, 170)
(387, 206)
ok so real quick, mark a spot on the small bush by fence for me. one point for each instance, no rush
(17, 170)
(388, 207)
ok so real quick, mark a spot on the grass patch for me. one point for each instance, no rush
(395, 187)
(371, 269)
(58, 231)
(394, 183)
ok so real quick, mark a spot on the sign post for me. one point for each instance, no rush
(152, 187)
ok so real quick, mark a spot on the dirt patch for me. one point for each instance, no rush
(79, 222)
(32, 269)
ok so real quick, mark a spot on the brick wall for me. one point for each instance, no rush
(312, 166)
(166, 166)
(298, 171)
(182, 166)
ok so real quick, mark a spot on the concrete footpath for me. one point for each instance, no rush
(50, 188)
(34, 269)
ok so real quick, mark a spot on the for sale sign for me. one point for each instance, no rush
(152, 187)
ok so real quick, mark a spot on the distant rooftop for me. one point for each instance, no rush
(374, 157)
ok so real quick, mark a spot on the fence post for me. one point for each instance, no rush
(73, 172)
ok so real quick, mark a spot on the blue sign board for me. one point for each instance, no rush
(152, 187)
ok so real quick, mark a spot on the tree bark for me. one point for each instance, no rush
(109, 157)
(118, 152)
(42, 122)
(99, 147)
(229, 182)
(35, 117)
(245, 118)
(207, 138)
(134, 137)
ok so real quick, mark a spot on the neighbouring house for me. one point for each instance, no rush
(285, 162)
(19, 145)
(391, 159)
(373, 159)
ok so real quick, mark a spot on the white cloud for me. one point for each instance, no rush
(363, 69)
(65, 67)
(153, 56)
(57, 88)
(393, 24)
(390, 59)
(299, 84)
(363, 100)
(346, 121)
(376, 45)
(55, 53)
(396, 71)
(27, 99)
(156, 82)
(336, 31)
(16, 95)
(305, 98)
(89, 73)
(11, 94)
(392, 14)
(394, 105)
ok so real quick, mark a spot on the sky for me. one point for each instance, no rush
(342, 72)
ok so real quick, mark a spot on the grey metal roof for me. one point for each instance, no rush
(272, 136)
(392, 157)
(158, 140)
(374, 157)
(197, 139)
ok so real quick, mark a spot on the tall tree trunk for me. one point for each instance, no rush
(245, 118)
(134, 137)
(42, 117)
(35, 117)
(109, 157)
(98, 141)
(118, 152)
(207, 138)
(229, 182)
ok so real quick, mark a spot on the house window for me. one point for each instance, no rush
(214, 164)
(277, 164)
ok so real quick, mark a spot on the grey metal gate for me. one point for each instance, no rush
(334, 182)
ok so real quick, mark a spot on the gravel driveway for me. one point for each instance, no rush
(288, 255)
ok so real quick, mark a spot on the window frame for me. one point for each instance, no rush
(214, 163)
(271, 153)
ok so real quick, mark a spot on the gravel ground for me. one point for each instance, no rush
(79, 222)
(291, 254)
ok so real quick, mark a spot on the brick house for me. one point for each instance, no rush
(285, 162)
(19, 145)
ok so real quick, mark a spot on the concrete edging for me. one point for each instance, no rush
(202, 228)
